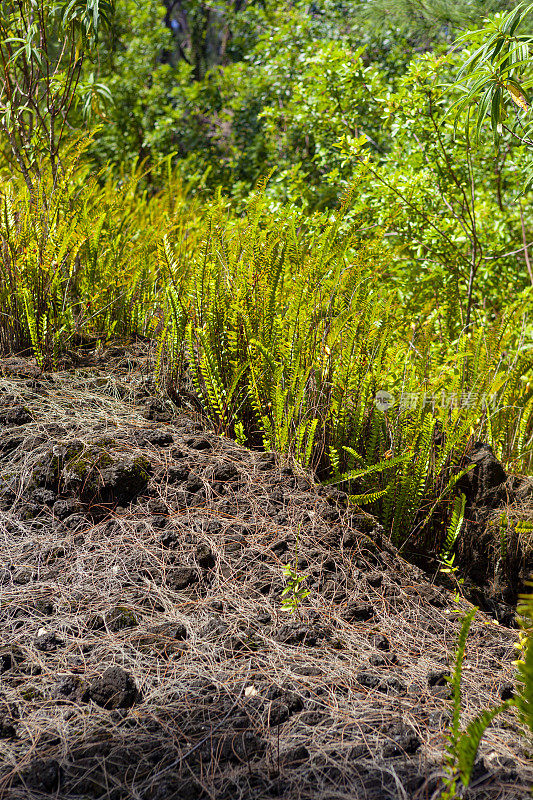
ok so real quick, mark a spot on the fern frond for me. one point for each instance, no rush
(466, 747)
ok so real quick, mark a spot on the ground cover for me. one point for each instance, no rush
(145, 651)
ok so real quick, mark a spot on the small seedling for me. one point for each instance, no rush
(294, 592)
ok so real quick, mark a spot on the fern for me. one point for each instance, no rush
(454, 529)
(463, 745)
(524, 696)
(467, 744)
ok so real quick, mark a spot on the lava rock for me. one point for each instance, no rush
(10, 657)
(172, 630)
(294, 756)
(48, 642)
(387, 685)
(159, 438)
(43, 775)
(65, 508)
(10, 442)
(374, 579)
(156, 410)
(359, 751)
(107, 476)
(225, 471)
(71, 689)
(265, 461)
(437, 677)
(381, 642)
(277, 713)
(401, 741)
(115, 689)
(23, 575)
(297, 634)
(7, 728)
(507, 691)
(193, 484)
(198, 443)
(157, 507)
(280, 547)
(481, 484)
(177, 474)
(43, 496)
(181, 577)
(16, 415)
(358, 612)
(205, 557)
(95, 622)
(120, 618)
(5, 576)
(378, 660)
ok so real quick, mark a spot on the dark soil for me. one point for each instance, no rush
(144, 652)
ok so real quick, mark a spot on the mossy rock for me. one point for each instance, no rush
(46, 472)
(106, 476)
(31, 693)
(92, 472)
(121, 617)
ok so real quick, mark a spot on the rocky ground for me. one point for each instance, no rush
(144, 652)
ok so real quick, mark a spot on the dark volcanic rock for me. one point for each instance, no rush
(16, 415)
(48, 642)
(277, 713)
(401, 740)
(158, 437)
(121, 617)
(225, 471)
(172, 630)
(381, 642)
(10, 442)
(437, 677)
(43, 775)
(296, 755)
(294, 633)
(115, 689)
(198, 443)
(156, 410)
(181, 577)
(107, 476)
(507, 691)
(10, 657)
(65, 508)
(157, 507)
(358, 612)
(7, 728)
(177, 474)
(387, 685)
(43, 496)
(205, 556)
(71, 689)
(481, 484)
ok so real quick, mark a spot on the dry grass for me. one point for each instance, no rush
(204, 724)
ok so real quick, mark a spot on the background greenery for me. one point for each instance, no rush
(297, 204)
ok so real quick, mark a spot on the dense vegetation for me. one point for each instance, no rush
(301, 205)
